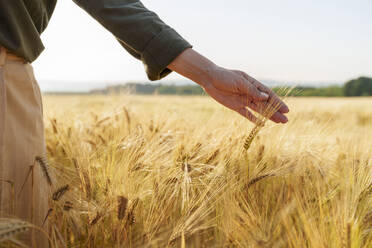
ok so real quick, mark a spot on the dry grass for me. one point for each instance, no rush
(172, 172)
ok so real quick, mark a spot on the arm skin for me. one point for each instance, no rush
(234, 89)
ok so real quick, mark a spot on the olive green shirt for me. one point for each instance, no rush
(141, 32)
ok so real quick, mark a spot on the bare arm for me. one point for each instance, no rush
(233, 89)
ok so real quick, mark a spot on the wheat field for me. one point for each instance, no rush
(167, 171)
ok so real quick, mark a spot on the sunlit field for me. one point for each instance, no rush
(162, 171)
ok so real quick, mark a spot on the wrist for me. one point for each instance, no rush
(205, 75)
(195, 67)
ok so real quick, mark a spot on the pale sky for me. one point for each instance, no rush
(287, 40)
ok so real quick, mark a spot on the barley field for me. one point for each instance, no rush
(167, 171)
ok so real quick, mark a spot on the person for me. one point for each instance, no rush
(144, 35)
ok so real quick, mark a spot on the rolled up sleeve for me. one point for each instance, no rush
(140, 31)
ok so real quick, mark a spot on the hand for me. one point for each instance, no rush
(233, 89)
(237, 91)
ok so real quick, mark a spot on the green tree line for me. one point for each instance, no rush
(361, 86)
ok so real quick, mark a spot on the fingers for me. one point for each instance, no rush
(240, 97)
(260, 107)
(261, 87)
(282, 107)
(278, 117)
(232, 102)
(246, 88)
(247, 114)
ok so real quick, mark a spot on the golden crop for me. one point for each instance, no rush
(161, 171)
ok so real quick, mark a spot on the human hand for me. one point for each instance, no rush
(238, 91)
(233, 89)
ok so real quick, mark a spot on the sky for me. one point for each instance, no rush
(288, 41)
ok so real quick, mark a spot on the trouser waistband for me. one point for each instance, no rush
(6, 55)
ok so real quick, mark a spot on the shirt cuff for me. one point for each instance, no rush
(161, 51)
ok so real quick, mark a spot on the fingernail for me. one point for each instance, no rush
(263, 94)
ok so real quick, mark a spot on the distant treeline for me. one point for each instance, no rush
(361, 86)
(330, 91)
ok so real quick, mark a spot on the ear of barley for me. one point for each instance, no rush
(130, 216)
(213, 156)
(92, 143)
(76, 164)
(248, 141)
(102, 121)
(127, 116)
(42, 161)
(122, 206)
(348, 235)
(69, 130)
(186, 167)
(60, 192)
(365, 193)
(368, 218)
(151, 126)
(271, 108)
(102, 139)
(96, 219)
(67, 206)
(256, 179)
(346, 241)
(54, 125)
(87, 184)
(260, 154)
(10, 227)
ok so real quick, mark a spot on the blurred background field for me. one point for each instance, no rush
(171, 171)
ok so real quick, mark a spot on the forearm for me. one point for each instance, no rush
(193, 66)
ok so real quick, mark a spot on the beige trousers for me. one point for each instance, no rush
(23, 186)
